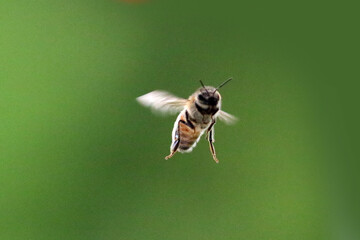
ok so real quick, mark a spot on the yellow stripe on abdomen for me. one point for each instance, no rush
(188, 138)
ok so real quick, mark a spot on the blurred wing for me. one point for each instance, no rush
(163, 102)
(226, 117)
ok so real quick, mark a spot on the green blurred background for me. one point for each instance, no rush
(80, 159)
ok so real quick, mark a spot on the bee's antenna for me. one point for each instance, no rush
(223, 84)
(202, 84)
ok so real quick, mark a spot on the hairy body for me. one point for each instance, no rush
(197, 115)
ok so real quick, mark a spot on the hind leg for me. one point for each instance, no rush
(174, 148)
(175, 144)
(210, 137)
(211, 144)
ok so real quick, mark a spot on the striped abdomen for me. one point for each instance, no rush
(188, 132)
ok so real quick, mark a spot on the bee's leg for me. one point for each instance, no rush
(209, 129)
(174, 148)
(211, 140)
(175, 144)
(212, 148)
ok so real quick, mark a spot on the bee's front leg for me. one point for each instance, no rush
(210, 137)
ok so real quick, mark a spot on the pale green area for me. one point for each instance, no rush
(80, 159)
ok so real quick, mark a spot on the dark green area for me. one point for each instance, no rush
(80, 159)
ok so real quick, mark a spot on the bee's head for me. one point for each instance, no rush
(208, 96)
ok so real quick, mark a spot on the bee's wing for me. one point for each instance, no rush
(163, 102)
(226, 117)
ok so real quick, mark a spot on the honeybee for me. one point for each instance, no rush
(198, 114)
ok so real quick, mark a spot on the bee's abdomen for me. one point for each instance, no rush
(187, 140)
(188, 134)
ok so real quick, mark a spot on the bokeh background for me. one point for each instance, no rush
(80, 159)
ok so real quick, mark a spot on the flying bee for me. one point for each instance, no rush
(198, 114)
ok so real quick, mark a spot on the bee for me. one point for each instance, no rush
(198, 114)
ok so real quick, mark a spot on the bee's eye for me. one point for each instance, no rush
(201, 97)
